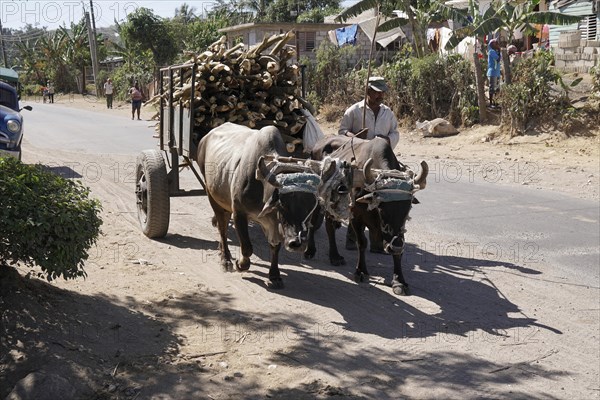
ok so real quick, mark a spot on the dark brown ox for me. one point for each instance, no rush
(239, 182)
(383, 200)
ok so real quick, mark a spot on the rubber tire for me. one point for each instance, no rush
(154, 213)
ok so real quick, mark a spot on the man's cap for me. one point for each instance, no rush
(378, 84)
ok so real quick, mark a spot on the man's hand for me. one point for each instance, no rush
(385, 137)
(362, 134)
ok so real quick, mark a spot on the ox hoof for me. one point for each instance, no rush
(400, 289)
(361, 277)
(309, 254)
(337, 261)
(243, 265)
(275, 283)
(227, 266)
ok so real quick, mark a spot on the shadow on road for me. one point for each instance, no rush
(465, 299)
(189, 242)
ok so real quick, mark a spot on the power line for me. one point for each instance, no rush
(14, 38)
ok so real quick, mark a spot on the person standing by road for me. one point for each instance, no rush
(50, 92)
(494, 70)
(136, 100)
(108, 92)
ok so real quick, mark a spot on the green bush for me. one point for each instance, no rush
(595, 73)
(32, 90)
(124, 76)
(327, 76)
(537, 91)
(420, 88)
(45, 220)
(434, 87)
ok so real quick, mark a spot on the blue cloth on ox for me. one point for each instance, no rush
(299, 182)
(392, 189)
(346, 35)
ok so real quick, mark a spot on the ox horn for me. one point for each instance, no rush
(263, 172)
(421, 178)
(314, 165)
(328, 173)
(366, 198)
(369, 178)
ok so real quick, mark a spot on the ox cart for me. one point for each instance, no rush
(256, 87)
(157, 177)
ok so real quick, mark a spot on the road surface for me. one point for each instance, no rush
(504, 283)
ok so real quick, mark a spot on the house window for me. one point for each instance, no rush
(306, 41)
(238, 39)
(588, 27)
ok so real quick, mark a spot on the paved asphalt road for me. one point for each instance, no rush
(530, 228)
(55, 127)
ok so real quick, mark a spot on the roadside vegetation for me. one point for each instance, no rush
(45, 220)
(425, 85)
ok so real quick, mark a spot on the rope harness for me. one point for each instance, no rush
(336, 208)
(301, 182)
(386, 189)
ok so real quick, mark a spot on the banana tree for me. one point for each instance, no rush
(419, 15)
(53, 49)
(76, 43)
(480, 24)
(30, 60)
(509, 17)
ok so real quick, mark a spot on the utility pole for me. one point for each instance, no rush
(92, 40)
(95, 56)
(3, 48)
(93, 18)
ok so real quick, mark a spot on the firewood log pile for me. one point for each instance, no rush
(255, 87)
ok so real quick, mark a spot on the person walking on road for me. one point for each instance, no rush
(380, 122)
(136, 100)
(108, 92)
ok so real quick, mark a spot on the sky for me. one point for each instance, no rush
(16, 14)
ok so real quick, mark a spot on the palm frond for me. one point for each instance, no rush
(488, 25)
(458, 35)
(551, 18)
(392, 23)
(357, 9)
(490, 12)
(451, 13)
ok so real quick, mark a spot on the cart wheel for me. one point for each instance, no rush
(152, 194)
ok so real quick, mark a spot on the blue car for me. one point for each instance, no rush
(11, 121)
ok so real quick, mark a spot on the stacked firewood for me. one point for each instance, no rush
(255, 87)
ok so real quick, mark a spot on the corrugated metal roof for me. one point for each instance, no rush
(9, 74)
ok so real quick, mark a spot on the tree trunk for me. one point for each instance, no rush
(480, 89)
(506, 64)
(413, 27)
(82, 89)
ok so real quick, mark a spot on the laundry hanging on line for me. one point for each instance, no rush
(346, 35)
